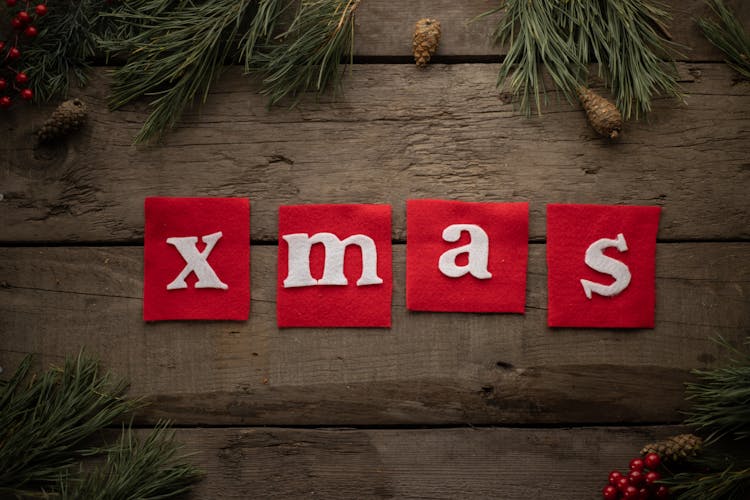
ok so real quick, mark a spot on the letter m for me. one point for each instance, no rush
(300, 245)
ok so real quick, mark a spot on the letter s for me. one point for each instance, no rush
(597, 261)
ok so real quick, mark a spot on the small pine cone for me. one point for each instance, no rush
(602, 114)
(426, 39)
(67, 118)
(676, 448)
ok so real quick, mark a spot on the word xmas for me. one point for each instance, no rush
(335, 263)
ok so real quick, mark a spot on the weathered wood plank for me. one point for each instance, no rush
(385, 27)
(465, 463)
(398, 133)
(430, 368)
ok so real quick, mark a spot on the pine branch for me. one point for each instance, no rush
(535, 40)
(45, 420)
(721, 398)
(727, 484)
(729, 36)
(175, 53)
(625, 38)
(310, 52)
(59, 56)
(136, 469)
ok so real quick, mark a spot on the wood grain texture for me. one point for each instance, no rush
(508, 464)
(385, 29)
(430, 368)
(397, 133)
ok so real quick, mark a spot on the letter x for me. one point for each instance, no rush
(196, 262)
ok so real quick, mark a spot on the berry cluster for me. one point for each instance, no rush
(12, 79)
(639, 483)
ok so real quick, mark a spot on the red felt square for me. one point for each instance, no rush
(190, 271)
(489, 276)
(619, 275)
(316, 294)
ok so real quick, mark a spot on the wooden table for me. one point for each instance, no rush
(441, 405)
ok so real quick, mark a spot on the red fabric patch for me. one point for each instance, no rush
(571, 229)
(336, 305)
(507, 228)
(229, 259)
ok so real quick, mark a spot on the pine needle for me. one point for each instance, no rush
(50, 423)
(729, 36)
(59, 56)
(136, 469)
(309, 54)
(45, 420)
(176, 51)
(564, 37)
(721, 398)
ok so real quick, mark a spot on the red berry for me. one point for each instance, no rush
(16, 23)
(610, 492)
(662, 492)
(635, 477)
(652, 460)
(41, 9)
(22, 77)
(614, 476)
(652, 477)
(3, 84)
(630, 492)
(644, 494)
(2, 45)
(636, 464)
(4, 102)
(27, 94)
(623, 483)
(24, 17)
(14, 53)
(31, 31)
(11, 3)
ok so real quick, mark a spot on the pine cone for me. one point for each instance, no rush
(675, 448)
(67, 118)
(426, 39)
(602, 114)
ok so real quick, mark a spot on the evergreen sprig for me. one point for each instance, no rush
(176, 50)
(45, 420)
(729, 36)
(624, 38)
(721, 398)
(51, 423)
(59, 56)
(726, 484)
(309, 53)
(135, 469)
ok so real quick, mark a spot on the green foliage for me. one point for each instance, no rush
(729, 36)
(49, 424)
(135, 469)
(175, 51)
(311, 49)
(721, 398)
(625, 38)
(59, 56)
(45, 420)
(726, 484)
(720, 405)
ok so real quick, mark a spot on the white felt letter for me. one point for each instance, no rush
(196, 262)
(597, 261)
(300, 245)
(478, 250)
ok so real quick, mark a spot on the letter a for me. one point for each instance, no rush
(196, 262)
(300, 245)
(478, 250)
(597, 261)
